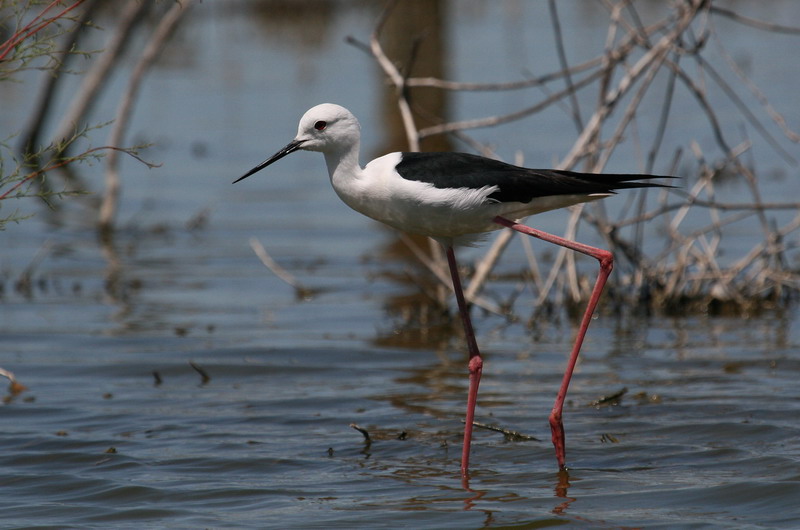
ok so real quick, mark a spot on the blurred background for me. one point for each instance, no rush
(164, 374)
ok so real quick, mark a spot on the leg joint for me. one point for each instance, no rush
(476, 364)
(606, 259)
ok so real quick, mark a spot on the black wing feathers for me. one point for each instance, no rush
(516, 184)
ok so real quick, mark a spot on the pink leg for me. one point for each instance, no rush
(475, 361)
(606, 260)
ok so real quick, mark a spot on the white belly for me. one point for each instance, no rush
(449, 215)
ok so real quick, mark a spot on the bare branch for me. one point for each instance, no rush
(755, 23)
(162, 32)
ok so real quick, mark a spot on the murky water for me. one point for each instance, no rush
(118, 429)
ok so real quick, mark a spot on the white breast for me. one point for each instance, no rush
(413, 206)
(449, 215)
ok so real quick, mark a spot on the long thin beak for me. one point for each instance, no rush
(293, 146)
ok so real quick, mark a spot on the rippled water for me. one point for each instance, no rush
(118, 429)
(706, 434)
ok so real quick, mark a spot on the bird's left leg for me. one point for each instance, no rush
(475, 361)
(606, 260)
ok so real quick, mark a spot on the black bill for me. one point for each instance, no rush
(293, 146)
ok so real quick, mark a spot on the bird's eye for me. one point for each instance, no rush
(320, 125)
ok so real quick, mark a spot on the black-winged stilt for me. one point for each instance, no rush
(455, 198)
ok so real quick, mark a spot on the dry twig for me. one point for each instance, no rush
(690, 266)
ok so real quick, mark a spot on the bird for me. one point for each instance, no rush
(457, 199)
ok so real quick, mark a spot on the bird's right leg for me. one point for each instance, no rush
(475, 361)
(606, 260)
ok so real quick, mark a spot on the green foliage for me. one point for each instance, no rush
(34, 29)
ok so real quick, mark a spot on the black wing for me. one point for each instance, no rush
(515, 184)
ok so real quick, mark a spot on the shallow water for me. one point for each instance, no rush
(706, 433)
(118, 429)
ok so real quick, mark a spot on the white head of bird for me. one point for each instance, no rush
(328, 128)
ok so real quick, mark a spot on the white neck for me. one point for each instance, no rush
(349, 180)
(343, 165)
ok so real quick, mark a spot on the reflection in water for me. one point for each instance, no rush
(114, 277)
(471, 501)
(561, 491)
(414, 37)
